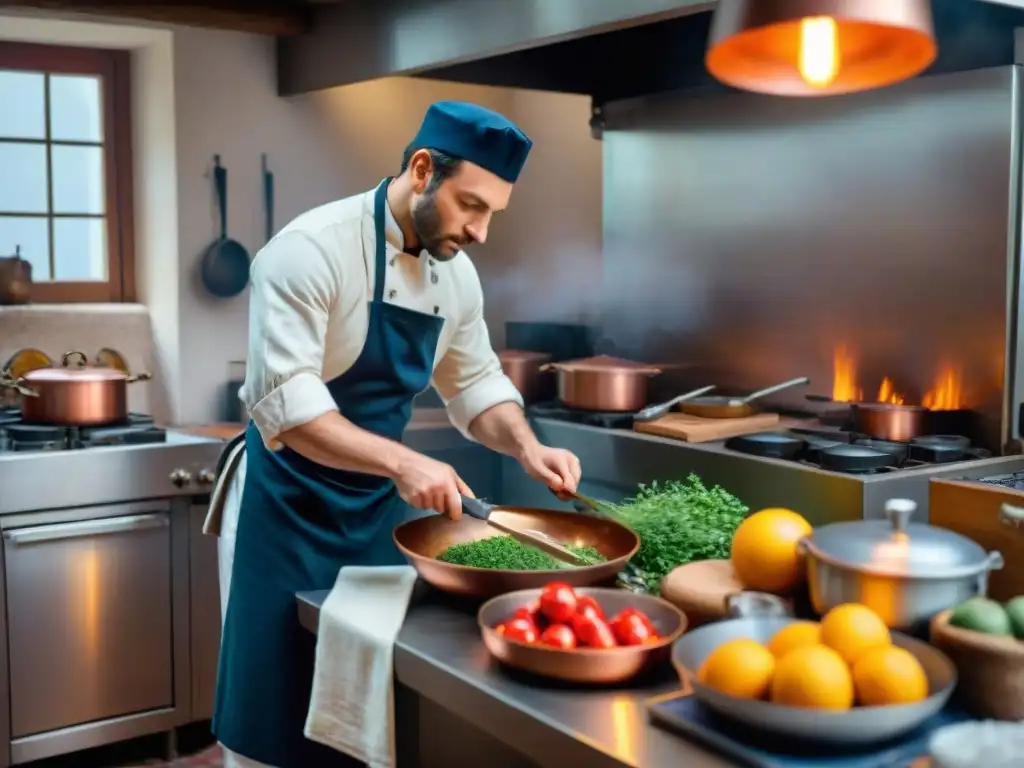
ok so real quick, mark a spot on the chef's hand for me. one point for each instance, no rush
(429, 484)
(556, 467)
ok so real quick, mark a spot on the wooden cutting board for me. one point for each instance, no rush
(699, 589)
(696, 429)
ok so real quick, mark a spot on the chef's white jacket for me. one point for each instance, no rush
(309, 309)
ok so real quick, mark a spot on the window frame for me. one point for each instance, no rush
(113, 67)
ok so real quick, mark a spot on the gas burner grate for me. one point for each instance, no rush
(926, 451)
(1013, 481)
(16, 436)
(556, 410)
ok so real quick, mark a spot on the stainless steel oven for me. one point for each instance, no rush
(96, 625)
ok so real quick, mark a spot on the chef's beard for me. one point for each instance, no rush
(426, 223)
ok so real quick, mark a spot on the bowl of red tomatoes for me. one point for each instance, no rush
(589, 635)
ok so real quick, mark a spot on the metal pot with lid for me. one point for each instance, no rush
(523, 368)
(74, 394)
(603, 384)
(906, 572)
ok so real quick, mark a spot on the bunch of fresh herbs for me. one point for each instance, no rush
(506, 554)
(678, 523)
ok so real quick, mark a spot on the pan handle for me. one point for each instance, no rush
(776, 388)
(18, 385)
(220, 182)
(652, 412)
(743, 605)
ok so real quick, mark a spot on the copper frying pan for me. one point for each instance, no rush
(422, 540)
(718, 407)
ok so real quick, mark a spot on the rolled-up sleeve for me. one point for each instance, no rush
(294, 286)
(469, 378)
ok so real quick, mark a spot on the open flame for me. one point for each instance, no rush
(946, 394)
(844, 377)
(887, 393)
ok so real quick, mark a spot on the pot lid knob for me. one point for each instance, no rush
(899, 513)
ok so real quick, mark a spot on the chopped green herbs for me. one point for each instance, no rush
(678, 523)
(503, 553)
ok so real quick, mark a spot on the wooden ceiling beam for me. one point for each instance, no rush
(263, 18)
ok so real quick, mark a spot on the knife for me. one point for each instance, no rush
(481, 510)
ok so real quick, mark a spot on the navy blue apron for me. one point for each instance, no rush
(299, 523)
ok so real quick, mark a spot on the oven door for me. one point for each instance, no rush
(89, 619)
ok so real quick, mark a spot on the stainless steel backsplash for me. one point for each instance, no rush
(754, 238)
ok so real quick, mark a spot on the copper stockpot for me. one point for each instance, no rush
(603, 384)
(898, 423)
(75, 395)
(523, 367)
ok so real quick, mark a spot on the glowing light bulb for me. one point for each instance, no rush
(819, 50)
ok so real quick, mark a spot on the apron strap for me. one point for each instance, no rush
(380, 200)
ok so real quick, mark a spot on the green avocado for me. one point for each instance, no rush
(979, 614)
(1015, 612)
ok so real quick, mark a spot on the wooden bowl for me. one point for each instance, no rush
(991, 669)
(422, 540)
(591, 666)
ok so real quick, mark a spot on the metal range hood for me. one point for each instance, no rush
(608, 49)
(358, 40)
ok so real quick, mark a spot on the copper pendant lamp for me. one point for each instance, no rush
(819, 47)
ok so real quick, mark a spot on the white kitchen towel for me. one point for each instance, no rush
(352, 707)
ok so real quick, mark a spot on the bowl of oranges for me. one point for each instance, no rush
(846, 679)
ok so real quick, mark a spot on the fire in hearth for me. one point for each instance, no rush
(946, 393)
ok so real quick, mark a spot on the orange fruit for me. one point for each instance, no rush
(813, 676)
(852, 630)
(764, 553)
(889, 675)
(796, 635)
(742, 668)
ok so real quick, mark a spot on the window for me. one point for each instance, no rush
(65, 170)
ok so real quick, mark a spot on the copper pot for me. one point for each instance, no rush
(75, 394)
(882, 421)
(523, 367)
(15, 279)
(603, 384)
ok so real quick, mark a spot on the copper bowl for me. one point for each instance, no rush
(422, 540)
(584, 665)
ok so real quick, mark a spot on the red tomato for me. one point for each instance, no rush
(639, 614)
(525, 613)
(631, 629)
(588, 606)
(559, 636)
(558, 603)
(500, 629)
(521, 630)
(593, 631)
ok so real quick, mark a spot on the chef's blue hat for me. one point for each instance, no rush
(477, 134)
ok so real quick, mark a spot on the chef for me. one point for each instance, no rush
(358, 306)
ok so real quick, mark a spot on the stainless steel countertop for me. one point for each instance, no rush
(440, 656)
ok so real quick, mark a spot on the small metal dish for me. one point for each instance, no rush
(855, 727)
(590, 666)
